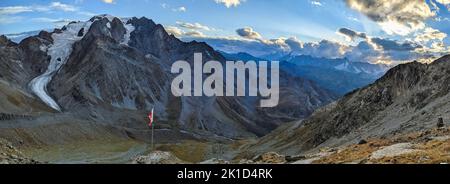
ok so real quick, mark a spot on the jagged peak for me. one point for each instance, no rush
(5, 41)
(142, 22)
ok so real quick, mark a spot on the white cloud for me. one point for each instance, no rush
(324, 48)
(108, 1)
(58, 6)
(196, 34)
(9, 10)
(180, 9)
(174, 31)
(316, 3)
(230, 3)
(194, 26)
(430, 34)
(248, 33)
(181, 33)
(62, 7)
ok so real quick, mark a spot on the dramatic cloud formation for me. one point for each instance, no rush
(395, 16)
(230, 3)
(426, 45)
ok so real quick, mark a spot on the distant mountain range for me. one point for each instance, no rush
(337, 75)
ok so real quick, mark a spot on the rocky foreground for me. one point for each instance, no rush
(427, 147)
(11, 155)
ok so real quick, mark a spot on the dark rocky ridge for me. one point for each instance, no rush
(19, 63)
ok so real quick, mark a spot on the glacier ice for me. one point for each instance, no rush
(59, 51)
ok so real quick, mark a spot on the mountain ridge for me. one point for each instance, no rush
(409, 97)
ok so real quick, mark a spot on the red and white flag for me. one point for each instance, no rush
(150, 117)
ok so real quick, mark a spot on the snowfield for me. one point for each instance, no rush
(59, 52)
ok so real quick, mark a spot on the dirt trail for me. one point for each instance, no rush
(92, 152)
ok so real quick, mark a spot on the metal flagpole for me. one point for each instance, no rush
(153, 148)
(153, 125)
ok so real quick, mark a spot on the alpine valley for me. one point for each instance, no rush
(81, 94)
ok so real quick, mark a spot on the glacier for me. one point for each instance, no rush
(59, 51)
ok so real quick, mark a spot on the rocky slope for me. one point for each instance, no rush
(410, 97)
(430, 146)
(10, 155)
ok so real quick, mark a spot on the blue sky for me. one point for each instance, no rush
(305, 21)
(271, 18)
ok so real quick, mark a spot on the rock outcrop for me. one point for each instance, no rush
(158, 157)
(10, 155)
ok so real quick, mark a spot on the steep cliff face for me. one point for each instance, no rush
(410, 97)
(19, 63)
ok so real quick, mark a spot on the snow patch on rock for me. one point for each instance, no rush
(43, 48)
(130, 28)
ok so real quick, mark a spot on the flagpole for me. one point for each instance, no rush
(152, 125)
(153, 148)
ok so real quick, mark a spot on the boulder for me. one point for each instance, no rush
(158, 157)
(271, 158)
